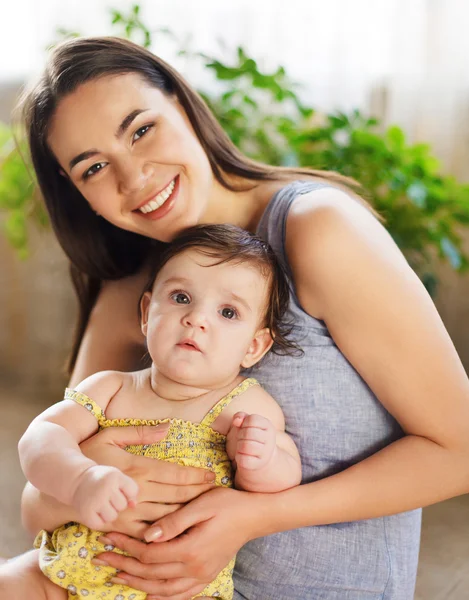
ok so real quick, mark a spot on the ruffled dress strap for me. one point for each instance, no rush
(87, 403)
(216, 410)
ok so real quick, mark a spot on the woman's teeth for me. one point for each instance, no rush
(158, 200)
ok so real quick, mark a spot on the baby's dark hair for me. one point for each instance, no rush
(230, 244)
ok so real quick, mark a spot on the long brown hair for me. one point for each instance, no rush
(98, 250)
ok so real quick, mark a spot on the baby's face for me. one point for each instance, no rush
(202, 318)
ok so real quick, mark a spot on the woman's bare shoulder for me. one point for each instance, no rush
(326, 229)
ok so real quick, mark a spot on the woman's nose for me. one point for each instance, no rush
(133, 177)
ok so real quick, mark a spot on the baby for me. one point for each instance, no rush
(213, 306)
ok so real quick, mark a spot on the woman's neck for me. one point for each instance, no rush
(242, 208)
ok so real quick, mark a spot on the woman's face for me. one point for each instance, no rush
(132, 153)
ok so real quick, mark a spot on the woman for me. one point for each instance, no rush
(127, 155)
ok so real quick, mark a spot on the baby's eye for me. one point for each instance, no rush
(180, 298)
(229, 313)
(93, 170)
(141, 132)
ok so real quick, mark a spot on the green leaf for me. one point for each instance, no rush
(396, 137)
(248, 100)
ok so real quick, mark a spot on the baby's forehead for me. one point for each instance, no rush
(193, 267)
(194, 262)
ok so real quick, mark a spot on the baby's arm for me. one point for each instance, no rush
(265, 457)
(53, 462)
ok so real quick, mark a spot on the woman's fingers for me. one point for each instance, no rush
(134, 436)
(146, 553)
(171, 494)
(174, 474)
(191, 593)
(135, 521)
(107, 448)
(151, 572)
(165, 588)
(174, 524)
(151, 512)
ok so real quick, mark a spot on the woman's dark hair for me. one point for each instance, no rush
(98, 250)
(230, 244)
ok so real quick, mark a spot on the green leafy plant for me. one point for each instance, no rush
(424, 211)
(265, 117)
(18, 199)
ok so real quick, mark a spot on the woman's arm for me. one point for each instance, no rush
(349, 273)
(113, 339)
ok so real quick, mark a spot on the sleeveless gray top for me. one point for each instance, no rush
(335, 421)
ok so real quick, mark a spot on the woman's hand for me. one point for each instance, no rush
(163, 486)
(214, 527)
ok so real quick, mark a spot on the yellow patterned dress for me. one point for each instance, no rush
(65, 556)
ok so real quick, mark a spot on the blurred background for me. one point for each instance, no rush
(375, 89)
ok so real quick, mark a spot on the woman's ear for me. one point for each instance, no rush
(144, 308)
(259, 346)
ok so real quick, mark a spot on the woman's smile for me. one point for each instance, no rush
(160, 204)
(159, 199)
(130, 160)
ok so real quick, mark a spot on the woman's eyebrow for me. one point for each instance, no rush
(126, 122)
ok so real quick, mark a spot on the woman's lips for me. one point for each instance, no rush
(165, 208)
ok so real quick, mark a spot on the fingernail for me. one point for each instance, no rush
(154, 534)
(99, 563)
(118, 580)
(106, 541)
(210, 477)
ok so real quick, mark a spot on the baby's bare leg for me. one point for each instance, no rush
(21, 579)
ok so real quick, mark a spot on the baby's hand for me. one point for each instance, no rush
(101, 494)
(251, 441)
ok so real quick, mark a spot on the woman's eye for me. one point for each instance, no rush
(141, 132)
(93, 170)
(229, 313)
(180, 298)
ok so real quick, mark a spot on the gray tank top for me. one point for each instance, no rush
(336, 421)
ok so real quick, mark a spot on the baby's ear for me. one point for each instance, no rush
(259, 346)
(144, 307)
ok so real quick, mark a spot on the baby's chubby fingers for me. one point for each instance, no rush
(119, 501)
(250, 448)
(253, 434)
(238, 419)
(256, 421)
(108, 513)
(248, 462)
(129, 488)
